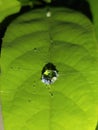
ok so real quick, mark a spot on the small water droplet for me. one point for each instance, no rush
(51, 93)
(34, 84)
(49, 74)
(35, 49)
(48, 14)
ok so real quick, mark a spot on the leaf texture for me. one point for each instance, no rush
(67, 40)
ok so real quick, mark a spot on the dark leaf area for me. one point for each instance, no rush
(96, 127)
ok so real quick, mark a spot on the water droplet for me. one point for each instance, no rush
(48, 14)
(49, 74)
(51, 93)
(35, 49)
(34, 84)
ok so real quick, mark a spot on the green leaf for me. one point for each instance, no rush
(94, 9)
(48, 1)
(32, 2)
(66, 39)
(27, 2)
(8, 7)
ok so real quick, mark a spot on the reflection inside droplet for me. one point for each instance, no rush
(49, 74)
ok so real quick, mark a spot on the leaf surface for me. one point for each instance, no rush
(66, 39)
(8, 7)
